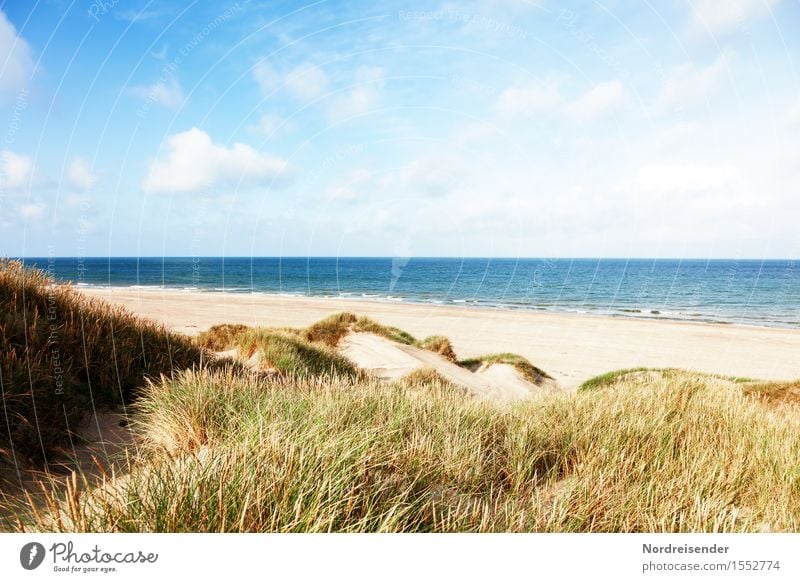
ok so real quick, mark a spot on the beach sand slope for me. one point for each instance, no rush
(390, 360)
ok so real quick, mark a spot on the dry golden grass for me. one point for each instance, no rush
(775, 393)
(441, 345)
(224, 452)
(221, 337)
(331, 329)
(522, 365)
(323, 447)
(62, 353)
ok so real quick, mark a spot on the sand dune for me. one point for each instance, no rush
(571, 348)
(384, 358)
(512, 381)
(391, 360)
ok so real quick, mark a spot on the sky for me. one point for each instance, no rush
(505, 128)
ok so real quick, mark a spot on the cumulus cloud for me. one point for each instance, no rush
(361, 98)
(528, 100)
(709, 16)
(193, 162)
(164, 92)
(16, 171)
(690, 85)
(79, 175)
(305, 81)
(599, 100)
(16, 64)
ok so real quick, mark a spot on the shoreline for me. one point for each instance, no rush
(572, 347)
(621, 313)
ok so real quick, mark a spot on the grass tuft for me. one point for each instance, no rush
(522, 365)
(331, 329)
(221, 337)
(441, 345)
(293, 356)
(774, 393)
(610, 378)
(367, 325)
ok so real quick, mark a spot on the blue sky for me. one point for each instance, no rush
(484, 128)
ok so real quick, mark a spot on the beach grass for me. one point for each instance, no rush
(292, 355)
(366, 325)
(64, 353)
(221, 337)
(610, 378)
(441, 345)
(225, 452)
(521, 364)
(774, 393)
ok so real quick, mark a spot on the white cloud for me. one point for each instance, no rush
(194, 163)
(366, 74)
(16, 64)
(714, 17)
(16, 171)
(432, 175)
(527, 101)
(355, 102)
(599, 100)
(676, 136)
(685, 177)
(306, 81)
(474, 133)
(266, 77)
(165, 92)
(268, 125)
(32, 211)
(79, 176)
(794, 113)
(690, 85)
(351, 188)
(361, 98)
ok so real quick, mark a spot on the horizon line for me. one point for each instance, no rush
(484, 257)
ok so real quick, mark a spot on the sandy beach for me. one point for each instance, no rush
(572, 348)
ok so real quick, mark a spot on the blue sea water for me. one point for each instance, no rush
(729, 291)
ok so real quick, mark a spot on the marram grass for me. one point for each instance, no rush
(225, 452)
(62, 352)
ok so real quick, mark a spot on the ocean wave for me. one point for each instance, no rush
(728, 314)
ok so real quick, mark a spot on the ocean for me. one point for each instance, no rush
(752, 292)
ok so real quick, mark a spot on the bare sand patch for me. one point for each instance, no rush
(390, 360)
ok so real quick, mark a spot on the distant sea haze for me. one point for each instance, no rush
(749, 292)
